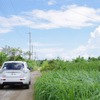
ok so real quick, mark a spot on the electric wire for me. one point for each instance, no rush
(15, 11)
(5, 8)
(78, 13)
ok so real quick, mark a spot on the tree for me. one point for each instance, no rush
(3, 57)
(12, 52)
(27, 53)
(93, 59)
(79, 59)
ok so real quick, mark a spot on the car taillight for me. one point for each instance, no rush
(22, 79)
(3, 79)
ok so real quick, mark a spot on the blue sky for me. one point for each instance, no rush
(59, 28)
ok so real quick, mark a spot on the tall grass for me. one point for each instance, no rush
(69, 80)
(69, 65)
(68, 85)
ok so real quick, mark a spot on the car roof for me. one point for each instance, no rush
(15, 62)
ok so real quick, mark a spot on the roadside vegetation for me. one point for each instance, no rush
(78, 79)
(8, 53)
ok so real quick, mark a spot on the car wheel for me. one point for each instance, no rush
(30, 83)
(1, 86)
(26, 86)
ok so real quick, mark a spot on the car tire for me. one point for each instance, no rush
(1, 86)
(30, 83)
(26, 86)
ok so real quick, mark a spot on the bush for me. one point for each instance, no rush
(70, 65)
(32, 64)
(49, 65)
(3, 57)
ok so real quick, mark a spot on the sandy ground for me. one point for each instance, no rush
(17, 92)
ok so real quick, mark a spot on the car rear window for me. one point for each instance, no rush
(13, 66)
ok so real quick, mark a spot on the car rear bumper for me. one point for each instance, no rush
(13, 81)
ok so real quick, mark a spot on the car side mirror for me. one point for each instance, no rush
(4, 68)
(30, 68)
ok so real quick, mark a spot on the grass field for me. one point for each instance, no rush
(68, 85)
(69, 81)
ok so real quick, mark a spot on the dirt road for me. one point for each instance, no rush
(18, 93)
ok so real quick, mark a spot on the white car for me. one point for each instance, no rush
(15, 73)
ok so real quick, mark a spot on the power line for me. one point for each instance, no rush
(2, 7)
(13, 6)
(83, 15)
(80, 13)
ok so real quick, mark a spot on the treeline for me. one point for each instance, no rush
(8, 53)
(16, 54)
(79, 63)
(78, 79)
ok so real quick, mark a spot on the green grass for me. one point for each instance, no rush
(65, 65)
(69, 80)
(68, 85)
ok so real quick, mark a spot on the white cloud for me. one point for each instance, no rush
(67, 17)
(51, 2)
(47, 50)
(48, 53)
(3, 30)
(94, 40)
(8, 24)
(91, 49)
(72, 16)
(96, 33)
(83, 17)
(50, 50)
(38, 44)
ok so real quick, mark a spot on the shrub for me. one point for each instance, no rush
(70, 65)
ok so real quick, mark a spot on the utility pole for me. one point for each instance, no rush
(29, 45)
(35, 57)
(32, 51)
